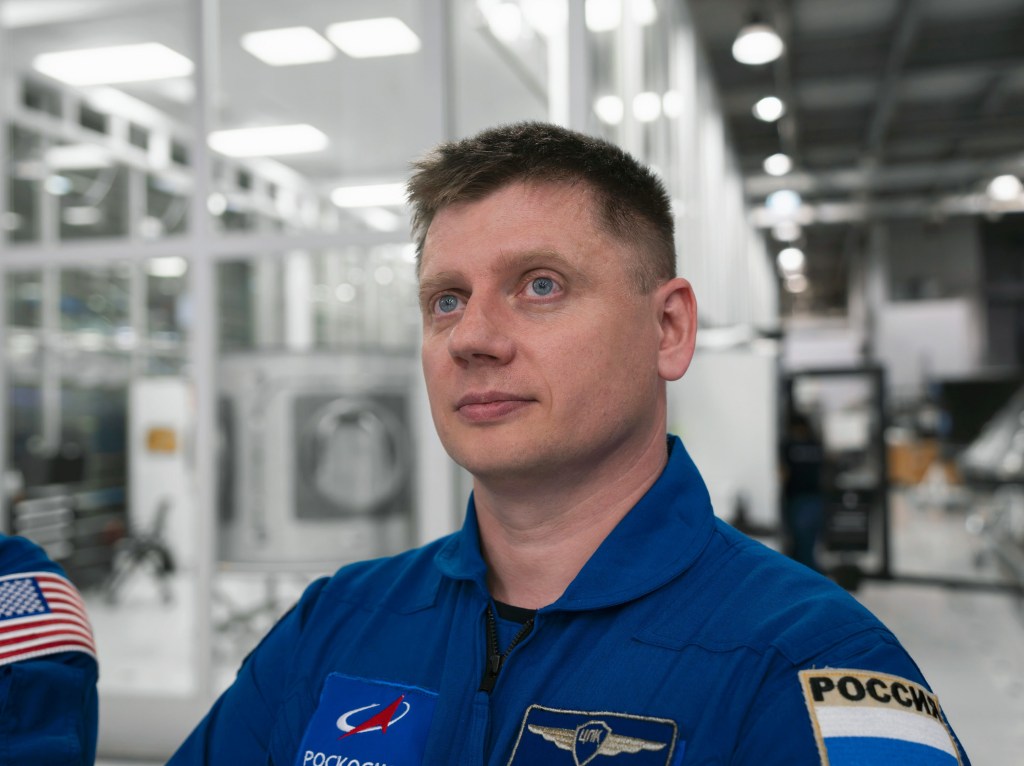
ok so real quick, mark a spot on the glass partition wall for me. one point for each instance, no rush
(209, 322)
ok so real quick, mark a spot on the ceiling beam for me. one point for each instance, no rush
(782, 71)
(911, 206)
(851, 91)
(908, 21)
(908, 176)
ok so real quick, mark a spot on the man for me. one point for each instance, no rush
(803, 501)
(592, 610)
(48, 703)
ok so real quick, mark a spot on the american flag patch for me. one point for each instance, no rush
(41, 613)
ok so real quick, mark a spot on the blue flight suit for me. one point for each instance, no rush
(681, 641)
(48, 703)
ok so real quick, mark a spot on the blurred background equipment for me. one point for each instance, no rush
(321, 458)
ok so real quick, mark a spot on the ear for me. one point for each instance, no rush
(677, 320)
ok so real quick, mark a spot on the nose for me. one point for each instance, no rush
(481, 335)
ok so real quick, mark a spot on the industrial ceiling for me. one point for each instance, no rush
(894, 109)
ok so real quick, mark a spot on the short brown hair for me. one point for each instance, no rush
(632, 203)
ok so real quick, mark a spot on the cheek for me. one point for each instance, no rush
(432, 362)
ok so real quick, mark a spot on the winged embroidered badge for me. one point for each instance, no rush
(592, 739)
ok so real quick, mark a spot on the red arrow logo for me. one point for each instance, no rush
(381, 719)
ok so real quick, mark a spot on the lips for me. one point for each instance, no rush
(490, 405)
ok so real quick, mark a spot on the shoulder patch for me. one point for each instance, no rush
(41, 613)
(864, 717)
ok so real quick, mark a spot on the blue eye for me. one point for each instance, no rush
(542, 286)
(447, 304)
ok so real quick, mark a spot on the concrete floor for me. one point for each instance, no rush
(968, 643)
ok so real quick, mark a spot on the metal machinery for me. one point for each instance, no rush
(316, 459)
(995, 461)
(847, 406)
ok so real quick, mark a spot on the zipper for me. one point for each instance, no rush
(495, 659)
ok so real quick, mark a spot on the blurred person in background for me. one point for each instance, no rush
(803, 502)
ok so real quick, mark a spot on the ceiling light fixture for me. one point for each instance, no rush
(370, 38)
(769, 108)
(288, 46)
(778, 164)
(546, 17)
(606, 15)
(81, 215)
(141, 62)
(380, 218)
(609, 109)
(645, 12)
(791, 260)
(271, 141)
(672, 104)
(603, 15)
(371, 195)
(167, 267)
(505, 21)
(77, 157)
(647, 106)
(1005, 188)
(757, 43)
(784, 202)
(217, 204)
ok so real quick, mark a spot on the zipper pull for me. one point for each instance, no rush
(491, 673)
(495, 658)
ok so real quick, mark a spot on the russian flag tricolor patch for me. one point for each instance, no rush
(860, 717)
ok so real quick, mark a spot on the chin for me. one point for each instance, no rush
(495, 458)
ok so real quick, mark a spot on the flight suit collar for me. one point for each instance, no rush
(654, 543)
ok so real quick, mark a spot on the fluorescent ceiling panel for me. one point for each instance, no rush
(120, 63)
(84, 215)
(376, 195)
(77, 157)
(268, 142)
(606, 15)
(603, 15)
(168, 266)
(380, 219)
(374, 37)
(288, 46)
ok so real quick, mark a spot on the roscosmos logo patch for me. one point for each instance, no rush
(362, 722)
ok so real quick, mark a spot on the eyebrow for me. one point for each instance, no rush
(430, 285)
(508, 262)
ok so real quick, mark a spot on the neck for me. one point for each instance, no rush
(536, 536)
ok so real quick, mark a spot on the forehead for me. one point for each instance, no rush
(517, 217)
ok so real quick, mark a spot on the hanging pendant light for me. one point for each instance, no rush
(757, 43)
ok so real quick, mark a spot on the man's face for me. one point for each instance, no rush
(540, 356)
